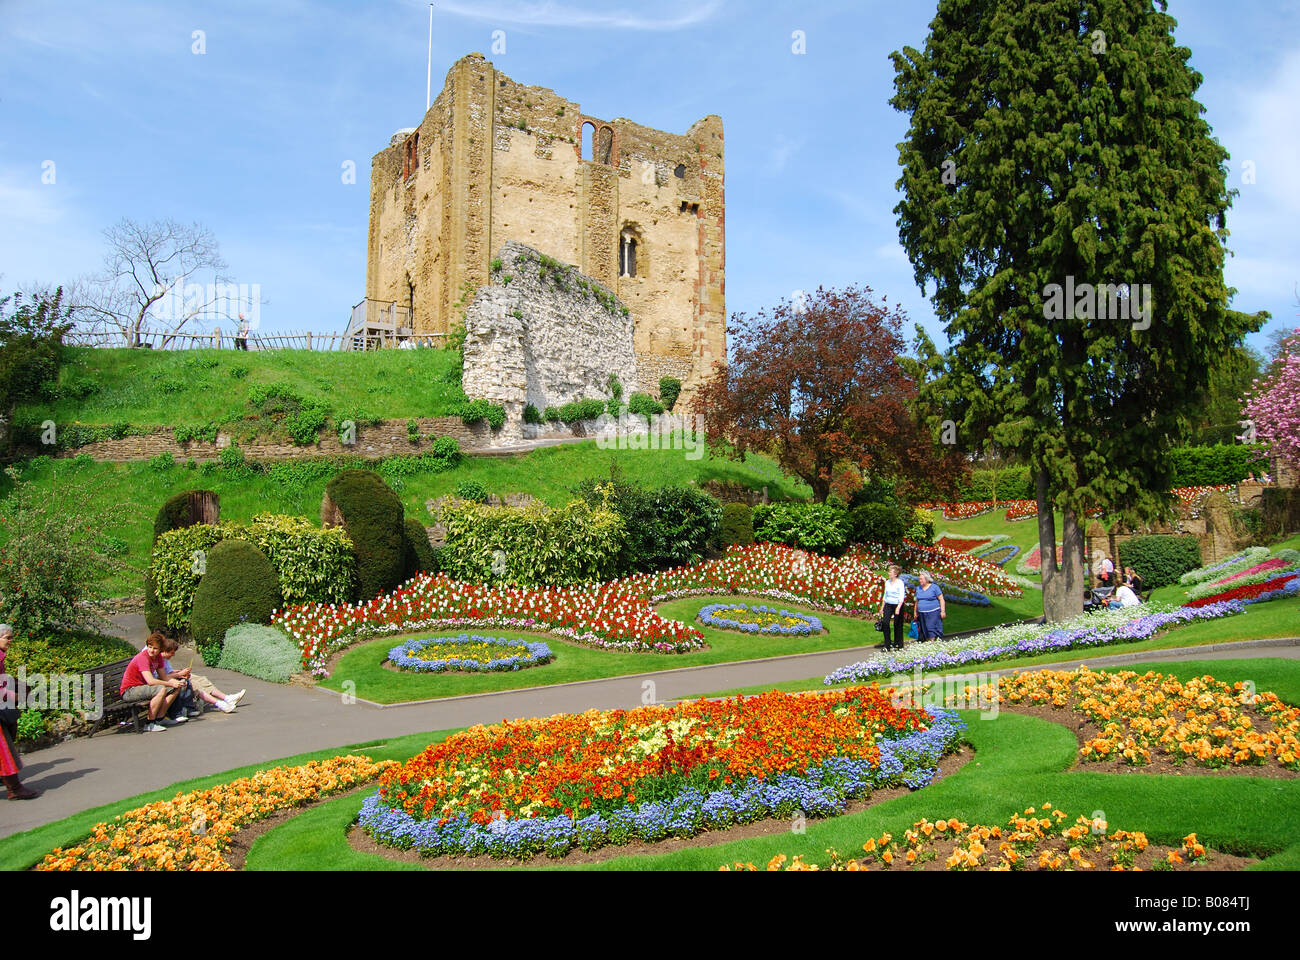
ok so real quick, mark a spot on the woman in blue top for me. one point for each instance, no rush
(931, 608)
(891, 606)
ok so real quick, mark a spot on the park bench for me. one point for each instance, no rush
(113, 702)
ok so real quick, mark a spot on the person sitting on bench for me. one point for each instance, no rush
(144, 681)
(201, 687)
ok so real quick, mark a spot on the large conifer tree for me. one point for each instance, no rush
(1057, 154)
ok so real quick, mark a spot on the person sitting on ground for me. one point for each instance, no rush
(203, 688)
(1135, 581)
(10, 762)
(931, 608)
(144, 680)
(1124, 597)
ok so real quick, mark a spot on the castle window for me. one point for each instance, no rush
(411, 162)
(588, 141)
(688, 207)
(629, 247)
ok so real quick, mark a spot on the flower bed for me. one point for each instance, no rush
(1032, 562)
(1286, 585)
(468, 653)
(193, 830)
(617, 616)
(952, 567)
(1021, 509)
(583, 781)
(1239, 562)
(1203, 721)
(1033, 840)
(746, 619)
(960, 544)
(1026, 640)
(1000, 555)
(1192, 499)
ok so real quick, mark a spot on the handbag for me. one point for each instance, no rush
(880, 625)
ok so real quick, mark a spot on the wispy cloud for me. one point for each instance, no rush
(548, 14)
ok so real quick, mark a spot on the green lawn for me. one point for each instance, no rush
(1019, 761)
(363, 665)
(549, 474)
(1260, 621)
(168, 388)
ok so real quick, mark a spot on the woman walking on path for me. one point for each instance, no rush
(931, 608)
(891, 606)
(10, 763)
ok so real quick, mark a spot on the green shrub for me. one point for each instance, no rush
(280, 406)
(881, 523)
(64, 651)
(1009, 483)
(178, 562)
(420, 557)
(581, 409)
(531, 415)
(240, 586)
(670, 388)
(531, 546)
(445, 453)
(820, 527)
(311, 565)
(737, 525)
(413, 430)
(1161, 559)
(922, 528)
(1215, 465)
(372, 516)
(238, 372)
(645, 405)
(163, 462)
(665, 527)
(552, 415)
(472, 490)
(477, 410)
(259, 651)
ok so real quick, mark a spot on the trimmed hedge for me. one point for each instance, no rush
(1160, 559)
(420, 557)
(372, 516)
(239, 587)
(260, 651)
(670, 388)
(667, 526)
(737, 525)
(879, 523)
(533, 545)
(820, 527)
(1210, 466)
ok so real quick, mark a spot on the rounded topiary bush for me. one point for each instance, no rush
(260, 651)
(155, 617)
(420, 557)
(737, 525)
(240, 586)
(371, 514)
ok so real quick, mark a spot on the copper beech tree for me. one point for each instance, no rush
(817, 383)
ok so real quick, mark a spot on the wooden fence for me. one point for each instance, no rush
(254, 341)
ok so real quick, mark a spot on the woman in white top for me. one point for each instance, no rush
(891, 606)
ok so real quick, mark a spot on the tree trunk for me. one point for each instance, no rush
(1062, 584)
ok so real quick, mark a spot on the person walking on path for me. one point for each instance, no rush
(891, 606)
(10, 762)
(931, 608)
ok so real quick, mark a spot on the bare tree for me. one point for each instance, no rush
(150, 281)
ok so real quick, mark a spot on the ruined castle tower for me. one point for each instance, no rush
(495, 161)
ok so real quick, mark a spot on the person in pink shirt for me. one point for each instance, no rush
(10, 763)
(145, 679)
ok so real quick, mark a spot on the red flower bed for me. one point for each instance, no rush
(959, 544)
(1021, 509)
(1243, 593)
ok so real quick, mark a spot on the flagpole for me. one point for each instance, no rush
(428, 80)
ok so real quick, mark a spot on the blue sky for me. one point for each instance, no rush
(250, 137)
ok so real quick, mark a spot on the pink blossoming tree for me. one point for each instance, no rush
(1275, 407)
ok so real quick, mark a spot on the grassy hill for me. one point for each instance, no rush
(164, 388)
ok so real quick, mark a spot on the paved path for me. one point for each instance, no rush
(277, 721)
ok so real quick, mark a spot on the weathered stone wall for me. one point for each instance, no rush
(382, 440)
(531, 337)
(501, 161)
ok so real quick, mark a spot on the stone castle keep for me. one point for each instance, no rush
(496, 162)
